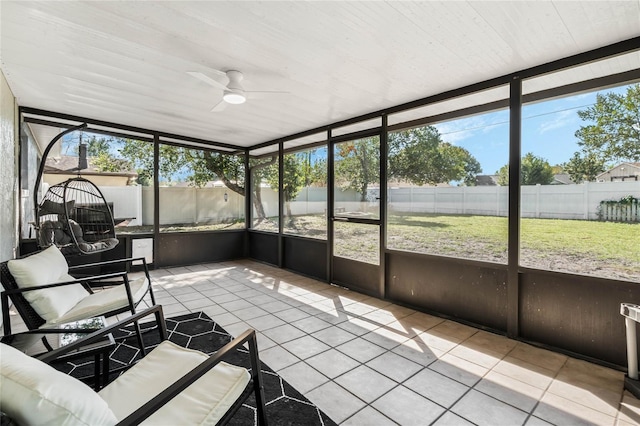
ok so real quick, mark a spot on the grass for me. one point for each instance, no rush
(605, 249)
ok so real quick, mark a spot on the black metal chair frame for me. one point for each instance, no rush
(33, 321)
(255, 386)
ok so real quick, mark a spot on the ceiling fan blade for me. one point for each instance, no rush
(220, 106)
(207, 79)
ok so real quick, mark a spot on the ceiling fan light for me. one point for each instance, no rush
(233, 97)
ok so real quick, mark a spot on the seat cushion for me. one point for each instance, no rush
(34, 393)
(204, 402)
(47, 267)
(104, 301)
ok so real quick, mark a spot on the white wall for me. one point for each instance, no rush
(8, 173)
(538, 201)
(207, 205)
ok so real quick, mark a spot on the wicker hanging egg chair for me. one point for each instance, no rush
(73, 214)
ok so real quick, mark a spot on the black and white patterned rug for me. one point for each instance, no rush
(284, 404)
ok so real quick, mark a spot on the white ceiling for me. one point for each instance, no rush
(127, 62)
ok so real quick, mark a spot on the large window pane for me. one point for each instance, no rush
(444, 196)
(200, 190)
(305, 192)
(114, 166)
(357, 178)
(264, 191)
(581, 184)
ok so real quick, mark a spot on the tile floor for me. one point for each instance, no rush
(366, 361)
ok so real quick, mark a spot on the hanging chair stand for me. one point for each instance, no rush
(73, 214)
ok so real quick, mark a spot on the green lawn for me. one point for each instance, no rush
(604, 249)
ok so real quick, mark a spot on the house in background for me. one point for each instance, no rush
(621, 173)
(492, 180)
(59, 169)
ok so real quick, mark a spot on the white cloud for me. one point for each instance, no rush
(465, 128)
(559, 119)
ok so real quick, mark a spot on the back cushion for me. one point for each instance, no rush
(47, 267)
(34, 393)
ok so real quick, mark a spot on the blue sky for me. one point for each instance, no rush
(548, 130)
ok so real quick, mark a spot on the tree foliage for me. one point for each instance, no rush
(420, 156)
(533, 171)
(584, 168)
(357, 165)
(612, 135)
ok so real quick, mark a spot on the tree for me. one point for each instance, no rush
(584, 168)
(613, 134)
(421, 157)
(297, 172)
(533, 171)
(357, 164)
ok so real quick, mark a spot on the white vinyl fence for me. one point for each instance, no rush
(208, 205)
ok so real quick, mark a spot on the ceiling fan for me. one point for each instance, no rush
(233, 91)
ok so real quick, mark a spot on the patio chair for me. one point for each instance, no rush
(46, 296)
(170, 385)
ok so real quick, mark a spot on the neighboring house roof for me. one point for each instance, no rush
(561, 179)
(625, 164)
(492, 180)
(67, 164)
(487, 180)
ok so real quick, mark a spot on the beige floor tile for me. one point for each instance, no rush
(420, 321)
(333, 336)
(525, 372)
(534, 421)
(436, 387)
(360, 349)
(394, 366)
(310, 324)
(477, 355)
(493, 342)
(509, 390)
(265, 322)
(368, 416)
(595, 397)
(332, 363)
(303, 377)
(224, 320)
(418, 352)
(629, 409)
(560, 411)
(335, 401)
(451, 419)
(386, 338)
(365, 383)
(575, 370)
(458, 332)
(536, 356)
(249, 313)
(407, 407)
(284, 333)
(278, 358)
(305, 347)
(485, 410)
(459, 369)
(290, 314)
(436, 340)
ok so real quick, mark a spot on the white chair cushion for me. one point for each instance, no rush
(204, 402)
(34, 393)
(103, 301)
(47, 267)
